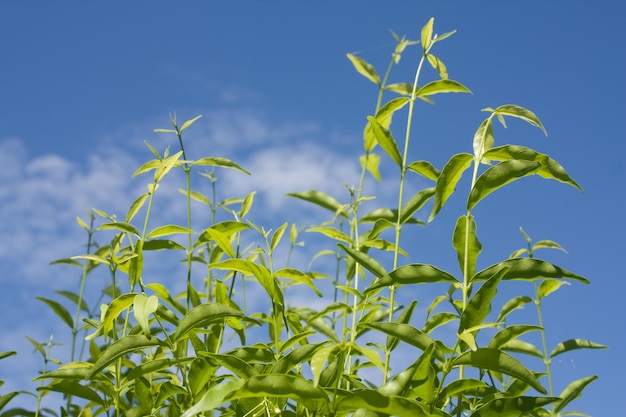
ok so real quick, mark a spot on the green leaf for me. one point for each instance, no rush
(75, 298)
(165, 166)
(147, 167)
(438, 65)
(513, 304)
(59, 310)
(573, 344)
(240, 367)
(321, 199)
(549, 169)
(188, 123)
(425, 169)
(298, 277)
(4, 400)
(260, 272)
(498, 176)
(319, 359)
(66, 261)
(547, 244)
(527, 269)
(136, 206)
(126, 345)
(404, 317)
(384, 116)
(364, 260)
(390, 215)
(316, 322)
(114, 309)
(203, 316)
(446, 183)
(221, 239)
(385, 140)
(364, 68)
(412, 274)
(407, 334)
(152, 366)
(214, 397)
(466, 244)
(519, 346)
(162, 244)
(573, 391)
(483, 140)
(390, 405)
(415, 203)
(220, 162)
(548, 286)
(246, 205)
(427, 34)
(519, 112)
(74, 389)
(168, 230)
(509, 333)
(7, 354)
(513, 407)
(281, 386)
(142, 308)
(441, 86)
(331, 232)
(495, 360)
(479, 306)
(371, 162)
(463, 385)
(437, 320)
(124, 227)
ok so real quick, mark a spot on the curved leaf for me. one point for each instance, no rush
(519, 346)
(415, 203)
(498, 361)
(321, 199)
(479, 306)
(385, 140)
(498, 176)
(550, 168)
(364, 68)
(384, 116)
(425, 169)
(466, 244)
(391, 405)
(59, 310)
(441, 86)
(573, 344)
(437, 320)
(407, 334)
(166, 230)
(127, 344)
(483, 140)
(427, 35)
(513, 304)
(202, 316)
(365, 261)
(446, 183)
(124, 227)
(548, 286)
(74, 389)
(390, 215)
(518, 112)
(412, 274)
(512, 407)
(331, 232)
(279, 386)
(527, 269)
(573, 391)
(509, 333)
(214, 397)
(220, 162)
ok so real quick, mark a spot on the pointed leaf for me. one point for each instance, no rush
(466, 244)
(573, 391)
(498, 176)
(427, 34)
(407, 334)
(389, 405)
(509, 333)
(513, 407)
(412, 274)
(124, 227)
(331, 232)
(415, 203)
(391, 215)
(438, 65)
(573, 344)
(219, 238)
(371, 162)
(425, 169)
(202, 316)
(479, 306)
(441, 86)
(142, 308)
(136, 206)
(59, 310)
(188, 123)
(384, 116)
(437, 320)
(548, 286)
(495, 360)
(363, 68)
(162, 244)
(483, 140)
(519, 112)
(166, 230)
(290, 386)
(513, 304)
(319, 198)
(519, 346)
(214, 397)
(127, 344)
(550, 168)
(527, 269)
(364, 260)
(404, 317)
(220, 162)
(446, 183)
(386, 140)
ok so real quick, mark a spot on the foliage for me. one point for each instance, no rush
(206, 350)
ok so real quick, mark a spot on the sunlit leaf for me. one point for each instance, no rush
(188, 123)
(513, 304)
(290, 386)
(124, 227)
(390, 215)
(407, 334)
(499, 175)
(364, 260)
(520, 346)
(162, 244)
(527, 269)
(427, 34)
(446, 183)
(384, 116)
(441, 86)
(513, 407)
(364, 68)
(437, 320)
(519, 112)
(483, 140)
(74, 389)
(509, 333)
(136, 206)
(425, 169)
(371, 162)
(390, 405)
(203, 316)
(548, 286)
(573, 344)
(59, 310)
(319, 198)
(498, 361)
(404, 317)
(127, 344)
(479, 306)
(385, 140)
(142, 308)
(213, 397)
(412, 274)
(466, 244)
(573, 391)
(438, 65)
(415, 203)
(220, 162)
(167, 230)
(331, 232)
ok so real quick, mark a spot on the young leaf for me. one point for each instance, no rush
(513, 407)
(573, 391)
(483, 140)
(498, 176)
(385, 140)
(415, 203)
(519, 346)
(59, 310)
(167, 230)
(124, 227)
(364, 260)
(441, 86)
(527, 269)
(437, 320)
(260, 272)
(446, 183)
(213, 397)
(438, 65)
(142, 308)
(573, 344)
(519, 112)
(136, 206)
(495, 360)
(202, 316)
(512, 304)
(166, 165)
(411, 274)
(127, 344)
(188, 123)
(218, 237)
(371, 162)
(384, 116)
(549, 169)
(466, 244)
(220, 162)
(425, 169)
(548, 286)
(321, 199)
(509, 333)
(404, 317)
(364, 68)
(114, 309)
(331, 232)
(407, 334)
(479, 306)
(427, 34)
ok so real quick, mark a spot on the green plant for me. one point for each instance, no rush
(155, 352)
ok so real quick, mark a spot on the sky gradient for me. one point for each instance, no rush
(84, 84)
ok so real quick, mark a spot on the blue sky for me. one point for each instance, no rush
(84, 84)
